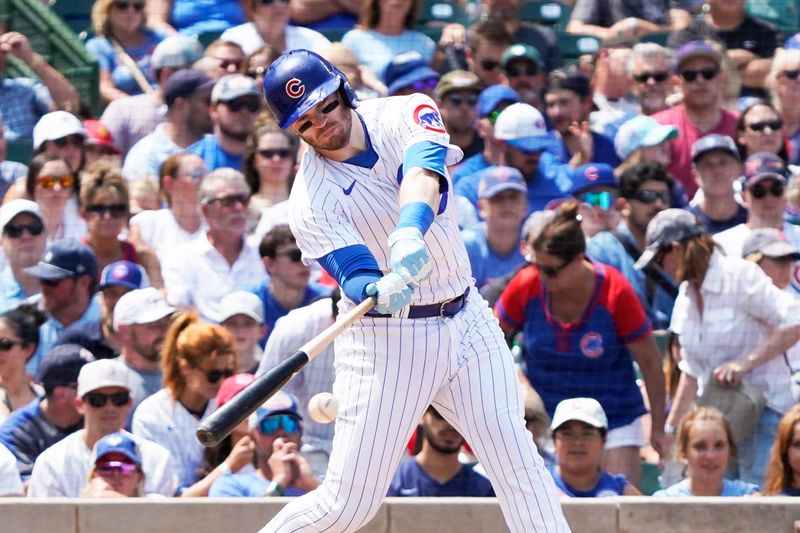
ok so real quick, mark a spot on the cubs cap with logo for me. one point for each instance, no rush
(522, 126)
(234, 86)
(123, 274)
(641, 132)
(592, 175)
(121, 443)
(499, 178)
(282, 403)
(586, 410)
(65, 258)
(763, 166)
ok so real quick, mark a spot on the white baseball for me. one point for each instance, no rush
(323, 407)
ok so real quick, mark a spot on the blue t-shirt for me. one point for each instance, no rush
(715, 226)
(411, 480)
(789, 492)
(244, 485)
(375, 50)
(103, 51)
(730, 487)
(604, 151)
(193, 17)
(273, 310)
(487, 265)
(468, 166)
(608, 485)
(213, 155)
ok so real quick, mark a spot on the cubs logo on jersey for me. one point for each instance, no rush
(428, 118)
(591, 345)
(295, 88)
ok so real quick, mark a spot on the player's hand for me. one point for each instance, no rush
(410, 255)
(391, 292)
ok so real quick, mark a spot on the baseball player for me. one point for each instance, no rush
(372, 203)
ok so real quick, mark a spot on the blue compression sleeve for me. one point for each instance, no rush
(416, 215)
(353, 267)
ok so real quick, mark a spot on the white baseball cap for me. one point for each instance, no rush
(103, 373)
(241, 303)
(16, 207)
(522, 126)
(586, 410)
(56, 125)
(141, 306)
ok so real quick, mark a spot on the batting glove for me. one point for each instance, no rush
(391, 292)
(410, 255)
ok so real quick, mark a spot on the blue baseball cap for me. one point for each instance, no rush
(406, 69)
(65, 258)
(493, 96)
(120, 443)
(185, 82)
(641, 132)
(123, 274)
(62, 365)
(714, 142)
(282, 403)
(592, 175)
(499, 178)
(764, 166)
(694, 49)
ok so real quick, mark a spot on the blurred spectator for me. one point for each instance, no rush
(363, 81)
(200, 272)
(62, 134)
(181, 221)
(408, 73)
(294, 329)
(19, 336)
(736, 337)
(698, 68)
(436, 470)
(54, 188)
(24, 101)
(131, 118)
(234, 109)
(196, 357)
(521, 64)
(222, 58)
(10, 171)
(595, 187)
(630, 19)
(650, 67)
(783, 472)
(144, 196)
(320, 14)
(117, 469)
(270, 25)
(187, 94)
(104, 400)
(100, 144)
(457, 98)
(644, 191)
(243, 316)
(705, 444)
(716, 166)
(68, 275)
(769, 249)
(258, 62)
(387, 30)
(23, 241)
(760, 129)
(35, 427)
(581, 340)
(122, 46)
(568, 101)
(580, 430)
(493, 246)
(784, 85)
(141, 320)
(611, 86)
(280, 468)
(193, 17)
(288, 284)
(10, 482)
(487, 41)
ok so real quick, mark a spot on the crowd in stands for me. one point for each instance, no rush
(632, 216)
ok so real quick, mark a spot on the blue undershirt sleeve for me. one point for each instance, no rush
(353, 267)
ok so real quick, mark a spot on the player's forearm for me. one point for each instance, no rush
(420, 185)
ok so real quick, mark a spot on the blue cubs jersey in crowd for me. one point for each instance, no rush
(487, 265)
(411, 480)
(608, 485)
(273, 310)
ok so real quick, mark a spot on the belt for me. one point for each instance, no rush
(448, 308)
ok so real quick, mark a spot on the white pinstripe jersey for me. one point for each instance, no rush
(335, 204)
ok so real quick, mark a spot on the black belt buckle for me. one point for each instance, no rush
(458, 300)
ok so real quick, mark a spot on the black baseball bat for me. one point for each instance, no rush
(225, 419)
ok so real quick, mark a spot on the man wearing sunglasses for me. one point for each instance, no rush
(457, 97)
(280, 467)
(522, 66)
(764, 194)
(650, 69)
(23, 241)
(104, 399)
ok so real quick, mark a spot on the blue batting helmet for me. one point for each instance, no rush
(300, 79)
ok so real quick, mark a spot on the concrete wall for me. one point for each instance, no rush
(401, 515)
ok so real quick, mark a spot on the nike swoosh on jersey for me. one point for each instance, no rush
(348, 190)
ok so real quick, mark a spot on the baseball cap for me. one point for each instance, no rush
(185, 82)
(17, 207)
(281, 403)
(55, 125)
(241, 303)
(763, 166)
(232, 386)
(586, 410)
(641, 132)
(98, 134)
(123, 274)
(458, 80)
(768, 242)
(592, 175)
(176, 51)
(233, 86)
(667, 226)
(522, 126)
(714, 142)
(141, 306)
(63, 259)
(119, 442)
(103, 373)
(694, 49)
(499, 178)
(405, 69)
(61, 366)
(493, 96)
(520, 51)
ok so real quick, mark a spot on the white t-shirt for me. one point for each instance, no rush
(246, 35)
(62, 470)
(10, 483)
(160, 230)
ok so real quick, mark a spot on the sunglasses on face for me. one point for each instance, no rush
(115, 210)
(424, 85)
(49, 182)
(760, 191)
(658, 77)
(213, 376)
(123, 6)
(256, 72)
(98, 399)
(117, 468)
(270, 2)
(708, 74)
(489, 64)
(230, 64)
(461, 99)
(270, 425)
(74, 140)
(6, 344)
(774, 125)
(15, 230)
(282, 153)
(293, 255)
(552, 271)
(251, 105)
(231, 200)
(325, 110)
(791, 74)
(602, 199)
(527, 70)
(646, 196)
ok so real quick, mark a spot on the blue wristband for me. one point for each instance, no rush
(416, 215)
(353, 267)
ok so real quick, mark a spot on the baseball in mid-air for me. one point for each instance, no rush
(323, 407)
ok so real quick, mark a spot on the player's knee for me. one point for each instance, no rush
(348, 512)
